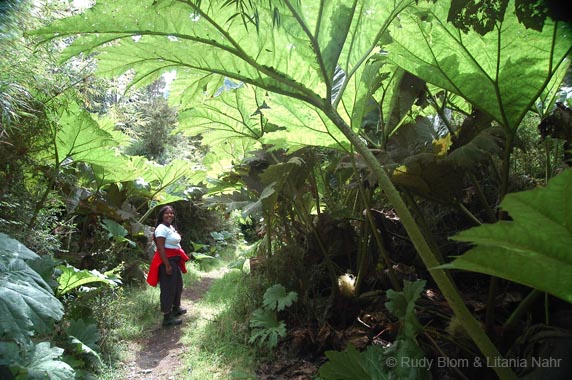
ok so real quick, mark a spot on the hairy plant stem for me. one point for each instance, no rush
(362, 254)
(378, 240)
(505, 174)
(546, 310)
(491, 304)
(268, 235)
(482, 198)
(494, 281)
(446, 285)
(469, 214)
(547, 165)
(444, 355)
(304, 215)
(422, 224)
(384, 254)
(522, 308)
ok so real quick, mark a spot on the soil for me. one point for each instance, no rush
(158, 357)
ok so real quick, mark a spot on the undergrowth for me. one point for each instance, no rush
(215, 335)
(218, 338)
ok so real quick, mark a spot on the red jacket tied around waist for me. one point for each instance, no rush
(153, 276)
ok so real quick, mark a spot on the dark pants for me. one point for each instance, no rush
(171, 286)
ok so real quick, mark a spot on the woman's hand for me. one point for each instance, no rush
(168, 269)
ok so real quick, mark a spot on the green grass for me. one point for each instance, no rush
(217, 339)
(127, 318)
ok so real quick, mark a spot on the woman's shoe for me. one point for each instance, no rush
(179, 311)
(170, 320)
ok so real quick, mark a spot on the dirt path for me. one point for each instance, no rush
(158, 357)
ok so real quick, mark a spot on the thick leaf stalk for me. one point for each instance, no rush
(429, 258)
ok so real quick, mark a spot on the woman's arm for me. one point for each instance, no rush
(160, 241)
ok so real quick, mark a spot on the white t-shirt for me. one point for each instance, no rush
(172, 237)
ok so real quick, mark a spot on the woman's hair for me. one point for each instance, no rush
(162, 212)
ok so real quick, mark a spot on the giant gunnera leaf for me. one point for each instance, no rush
(502, 72)
(27, 303)
(534, 247)
(42, 362)
(13, 248)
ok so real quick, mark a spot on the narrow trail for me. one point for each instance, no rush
(159, 356)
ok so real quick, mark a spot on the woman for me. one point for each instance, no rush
(167, 266)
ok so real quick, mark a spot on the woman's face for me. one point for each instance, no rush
(168, 216)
